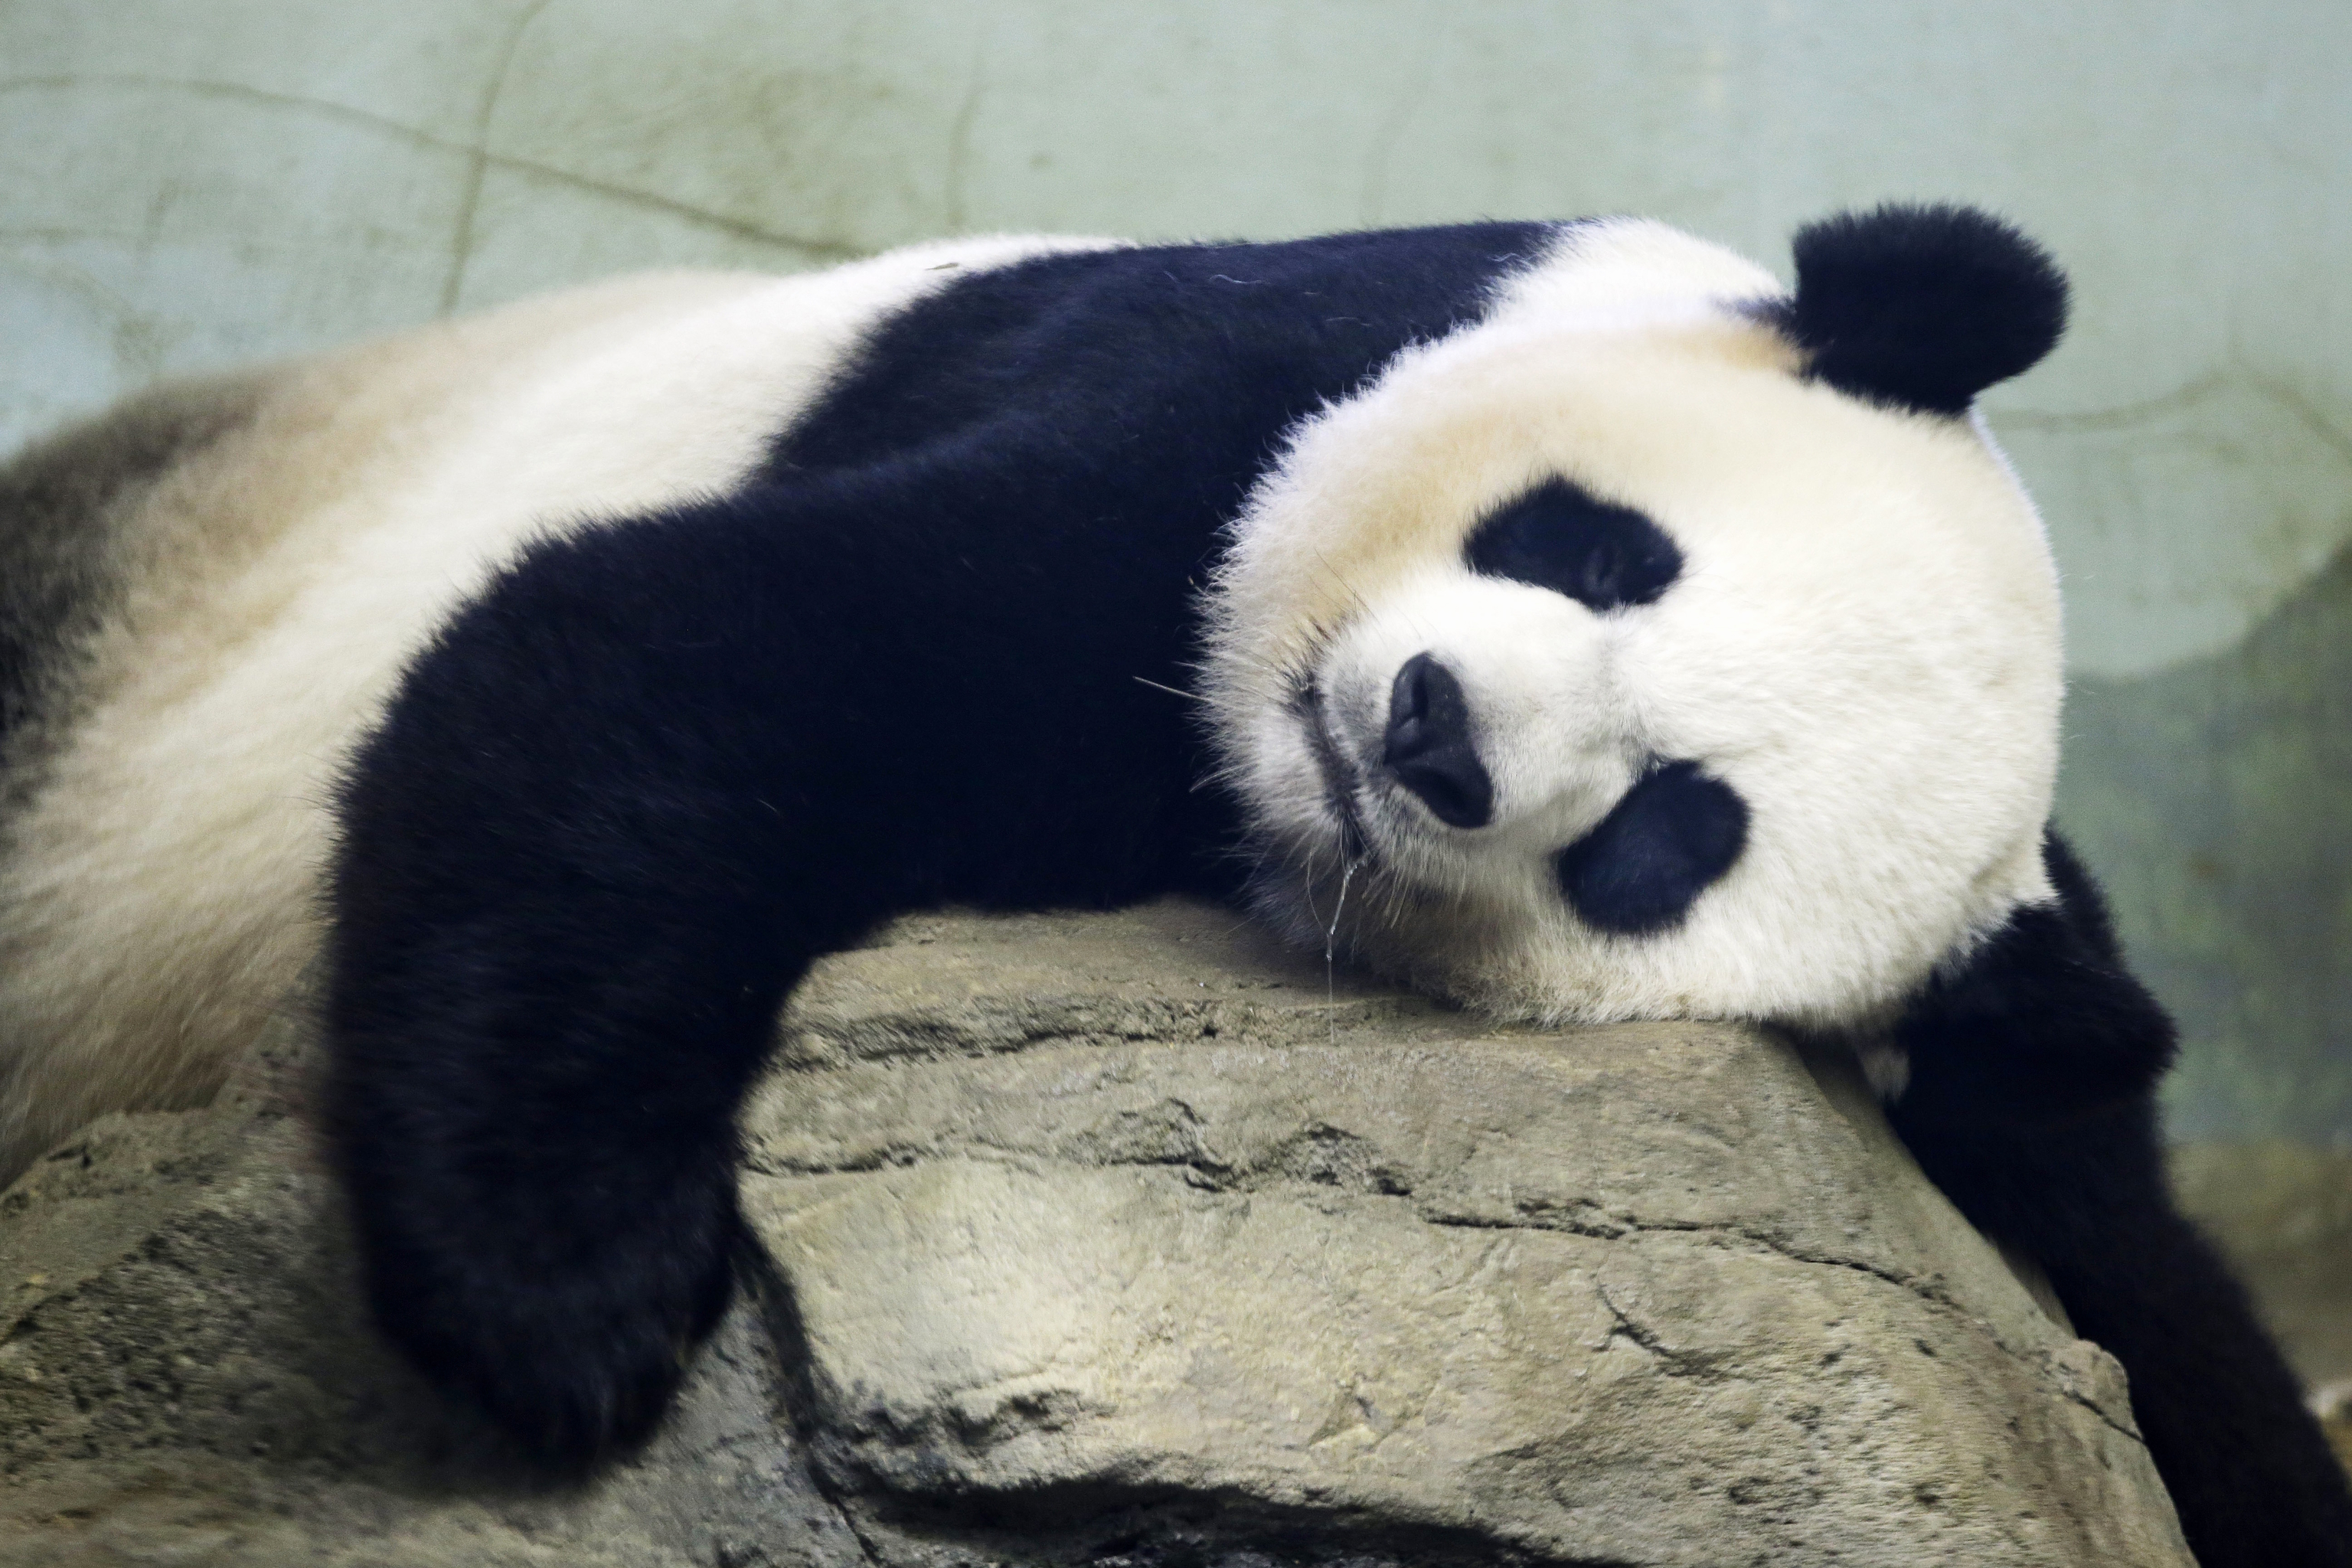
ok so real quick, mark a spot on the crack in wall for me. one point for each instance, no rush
(818, 249)
(469, 199)
(960, 139)
(2198, 390)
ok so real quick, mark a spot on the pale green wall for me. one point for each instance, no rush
(185, 185)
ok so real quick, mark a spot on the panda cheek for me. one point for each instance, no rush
(1638, 872)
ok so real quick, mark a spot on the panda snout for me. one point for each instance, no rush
(1428, 747)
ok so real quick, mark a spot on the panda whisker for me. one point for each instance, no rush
(1346, 587)
(1171, 690)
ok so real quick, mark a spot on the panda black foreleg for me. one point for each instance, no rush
(613, 814)
(2031, 1103)
(555, 958)
(535, 1125)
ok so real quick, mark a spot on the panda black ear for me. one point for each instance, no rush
(1922, 307)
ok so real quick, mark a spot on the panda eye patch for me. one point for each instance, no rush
(1558, 536)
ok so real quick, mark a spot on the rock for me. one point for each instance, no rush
(1123, 1240)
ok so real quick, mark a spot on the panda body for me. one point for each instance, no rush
(240, 568)
(1563, 616)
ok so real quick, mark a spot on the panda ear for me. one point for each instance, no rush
(1921, 307)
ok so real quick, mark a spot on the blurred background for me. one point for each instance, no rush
(184, 187)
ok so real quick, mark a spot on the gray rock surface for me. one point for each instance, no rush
(1123, 1240)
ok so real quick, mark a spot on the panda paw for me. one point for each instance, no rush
(568, 1321)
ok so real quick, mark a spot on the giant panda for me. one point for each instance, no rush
(1566, 618)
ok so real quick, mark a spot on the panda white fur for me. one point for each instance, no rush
(1581, 626)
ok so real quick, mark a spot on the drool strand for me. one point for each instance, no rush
(1330, 948)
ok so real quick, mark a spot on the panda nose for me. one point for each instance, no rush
(1429, 748)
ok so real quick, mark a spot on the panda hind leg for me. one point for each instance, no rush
(2253, 1477)
(2031, 1103)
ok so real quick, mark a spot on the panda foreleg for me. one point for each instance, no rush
(552, 978)
(2031, 1103)
(613, 814)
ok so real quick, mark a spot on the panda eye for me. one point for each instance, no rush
(1556, 536)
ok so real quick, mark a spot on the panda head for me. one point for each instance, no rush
(1667, 644)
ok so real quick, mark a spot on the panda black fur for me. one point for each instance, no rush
(1614, 633)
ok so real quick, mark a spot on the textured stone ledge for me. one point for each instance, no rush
(1124, 1240)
